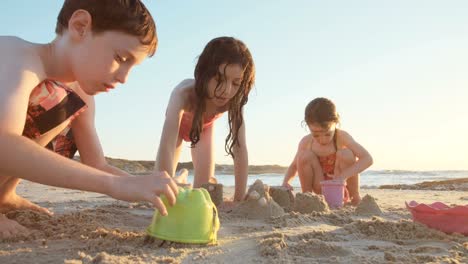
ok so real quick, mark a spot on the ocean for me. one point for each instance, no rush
(369, 179)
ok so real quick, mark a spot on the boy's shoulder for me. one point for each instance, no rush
(20, 56)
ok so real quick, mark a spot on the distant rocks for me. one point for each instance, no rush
(447, 185)
(147, 166)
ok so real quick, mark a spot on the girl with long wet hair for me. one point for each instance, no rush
(224, 76)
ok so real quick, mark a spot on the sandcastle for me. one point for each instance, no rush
(259, 204)
(368, 206)
(283, 197)
(308, 202)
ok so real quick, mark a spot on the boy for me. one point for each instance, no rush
(43, 87)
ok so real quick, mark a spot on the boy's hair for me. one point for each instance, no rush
(229, 51)
(126, 16)
(321, 111)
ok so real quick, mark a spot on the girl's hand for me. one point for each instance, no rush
(287, 186)
(146, 188)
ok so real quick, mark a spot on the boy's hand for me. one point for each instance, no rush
(146, 188)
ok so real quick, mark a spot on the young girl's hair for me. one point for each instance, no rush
(126, 16)
(229, 51)
(321, 111)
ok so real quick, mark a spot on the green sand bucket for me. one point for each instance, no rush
(193, 219)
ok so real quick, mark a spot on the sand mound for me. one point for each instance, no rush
(105, 258)
(401, 230)
(309, 202)
(368, 206)
(272, 245)
(281, 248)
(82, 225)
(295, 219)
(314, 248)
(216, 192)
(107, 234)
(283, 197)
(259, 204)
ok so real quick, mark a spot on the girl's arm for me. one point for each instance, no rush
(290, 174)
(364, 158)
(168, 142)
(241, 165)
(292, 169)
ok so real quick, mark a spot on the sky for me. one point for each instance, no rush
(396, 70)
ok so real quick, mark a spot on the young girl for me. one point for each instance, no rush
(224, 76)
(327, 152)
(43, 87)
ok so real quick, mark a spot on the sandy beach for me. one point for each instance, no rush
(92, 228)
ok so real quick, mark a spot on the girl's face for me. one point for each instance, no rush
(225, 85)
(100, 61)
(322, 135)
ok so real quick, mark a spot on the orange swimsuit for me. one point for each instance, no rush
(50, 104)
(186, 124)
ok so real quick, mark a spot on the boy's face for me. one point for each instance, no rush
(322, 135)
(101, 61)
(229, 79)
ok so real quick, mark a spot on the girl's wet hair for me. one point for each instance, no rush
(321, 111)
(126, 16)
(229, 51)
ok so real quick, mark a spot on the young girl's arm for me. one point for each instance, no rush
(168, 143)
(290, 174)
(292, 169)
(364, 158)
(241, 165)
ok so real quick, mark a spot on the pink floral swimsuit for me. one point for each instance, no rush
(50, 104)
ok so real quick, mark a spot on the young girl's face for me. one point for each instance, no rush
(225, 85)
(101, 61)
(322, 135)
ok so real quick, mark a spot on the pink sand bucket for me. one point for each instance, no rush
(333, 191)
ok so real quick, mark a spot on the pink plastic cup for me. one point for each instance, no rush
(333, 191)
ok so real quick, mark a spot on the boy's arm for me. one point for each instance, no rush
(241, 165)
(87, 140)
(364, 158)
(23, 158)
